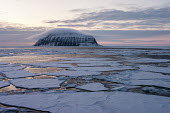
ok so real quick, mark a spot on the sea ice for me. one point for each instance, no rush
(51, 64)
(10, 67)
(155, 69)
(147, 60)
(9, 110)
(2, 63)
(160, 83)
(101, 68)
(4, 83)
(147, 75)
(2, 75)
(90, 102)
(73, 73)
(36, 83)
(86, 59)
(93, 87)
(18, 74)
(138, 78)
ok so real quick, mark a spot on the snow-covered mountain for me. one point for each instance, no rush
(65, 37)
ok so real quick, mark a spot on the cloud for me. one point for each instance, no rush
(13, 34)
(162, 40)
(109, 35)
(78, 10)
(89, 24)
(7, 26)
(148, 18)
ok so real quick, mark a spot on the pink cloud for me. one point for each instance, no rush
(17, 43)
(163, 40)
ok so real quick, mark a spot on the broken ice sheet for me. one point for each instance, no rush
(138, 78)
(43, 70)
(4, 83)
(160, 83)
(37, 83)
(100, 63)
(87, 59)
(9, 110)
(2, 75)
(30, 59)
(90, 102)
(90, 63)
(154, 69)
(18, 74)
(93, 87)
(146, 60)
(157, 90)
(73, 73)
(140, 75)
(101, 68)
(10, 67)
(51, 64)
(3, 63)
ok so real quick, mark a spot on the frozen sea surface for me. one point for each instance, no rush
(85, 79)
(87, 102)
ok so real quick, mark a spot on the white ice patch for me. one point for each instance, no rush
(4, 83)
(94, 102)
(37, 83)
(19, 73)
(93, 87)
(154, 69)
(73, 73)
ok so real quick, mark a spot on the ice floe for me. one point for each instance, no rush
(18, 74)
(101, 68)
(98, 62)
(73, 73)
(94, 102)
(155, 69)
(51, 64)
(86, 59)
(10, 67)
(147, 60)
(138, 78)
(9, 110)
(160, 83)
(36, 83)
(4, 83)
(93, 87)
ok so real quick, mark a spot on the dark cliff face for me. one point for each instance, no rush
(67, 39)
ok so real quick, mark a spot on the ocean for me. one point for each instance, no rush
(100, 79)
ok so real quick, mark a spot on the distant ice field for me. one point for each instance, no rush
(85, 79)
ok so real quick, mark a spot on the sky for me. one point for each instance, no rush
(111, 22)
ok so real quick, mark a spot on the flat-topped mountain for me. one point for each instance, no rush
(65, 37)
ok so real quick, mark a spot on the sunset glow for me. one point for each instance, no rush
(20, 19)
